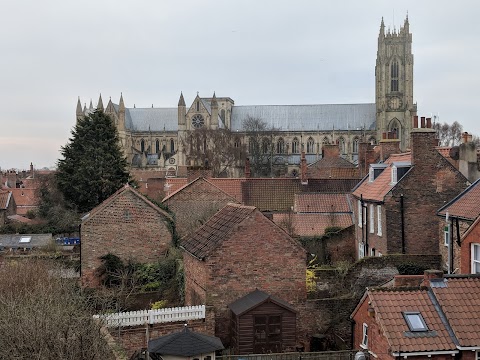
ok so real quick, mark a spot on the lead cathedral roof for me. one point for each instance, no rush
(319, 117)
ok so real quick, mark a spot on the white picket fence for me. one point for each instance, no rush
(141, 317)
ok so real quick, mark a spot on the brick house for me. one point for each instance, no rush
(127, 225)
(397, 202)
(420, 317)
(460, 233)
(235, 252)
(194, 203)
(7, 205)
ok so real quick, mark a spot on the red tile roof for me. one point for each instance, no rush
(209, 182)
(232, 186)
(389, 306)
(173, 184)
(118, 193)
(331, 162)
(312, 224)
(460, 301)
(217, 229)
(377, 189)
(466, 205)
(321, 203)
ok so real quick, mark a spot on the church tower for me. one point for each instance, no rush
(394, 84)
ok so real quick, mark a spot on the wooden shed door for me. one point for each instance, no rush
(268, 334)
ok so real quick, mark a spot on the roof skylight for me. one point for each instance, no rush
(415, 321)
(25, 239)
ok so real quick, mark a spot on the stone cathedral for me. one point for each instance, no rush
(151, 137)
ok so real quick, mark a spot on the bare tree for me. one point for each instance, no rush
(43, 316)
(218, 150)
(261, 145)
(449, 135)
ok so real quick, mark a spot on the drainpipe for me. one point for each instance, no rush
(450, 246)
(364, 226)
(402, 211)
(352, 335)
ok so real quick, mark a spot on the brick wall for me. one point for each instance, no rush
(127, 227)
(466, 250)
(135, 338)
(430, 183)
(257, 255)
(377, 343)
(195, 204)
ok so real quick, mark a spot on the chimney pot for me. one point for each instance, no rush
(422, 122)
(429, 123)
(415, 122)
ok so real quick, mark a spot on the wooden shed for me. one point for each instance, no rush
(262, 323)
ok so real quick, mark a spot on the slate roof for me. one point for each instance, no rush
(322, 203)
(254, 299)
(377, 189)
(153, 119)
(185, 343)
(466, 205)
(389, 305)
(218, 228)
(311, 224)
(14, 241)
(460, 301)
(318, 117)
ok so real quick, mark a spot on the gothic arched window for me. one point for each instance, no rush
(265, 145)
(280, 146)
(236, 143)
(394, 76)
(142, 145)
(310, 146)
(172, 146)
(325, 141)
(157, 146)
(355, 146)
(295, 147)
(341, 144)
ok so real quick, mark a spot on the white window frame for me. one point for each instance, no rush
(361, 250)
(477, 355)
(379, 220)
(394, 174)
(364, 343)
(372, 219)
(360, 212)
(446, 235)
(371, 174)
(474, 261)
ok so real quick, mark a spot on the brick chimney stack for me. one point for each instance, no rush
(330, 150)
(430, 275)
(303, 169)
(423, 142)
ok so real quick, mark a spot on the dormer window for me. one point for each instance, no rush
(399, 169)
(375, 170)
(394, 174)
(415, 321)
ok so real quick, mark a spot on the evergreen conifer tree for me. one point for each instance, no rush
(93, 166)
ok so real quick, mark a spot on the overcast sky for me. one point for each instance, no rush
(256, 52)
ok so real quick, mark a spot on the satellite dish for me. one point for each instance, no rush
(360, 356)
